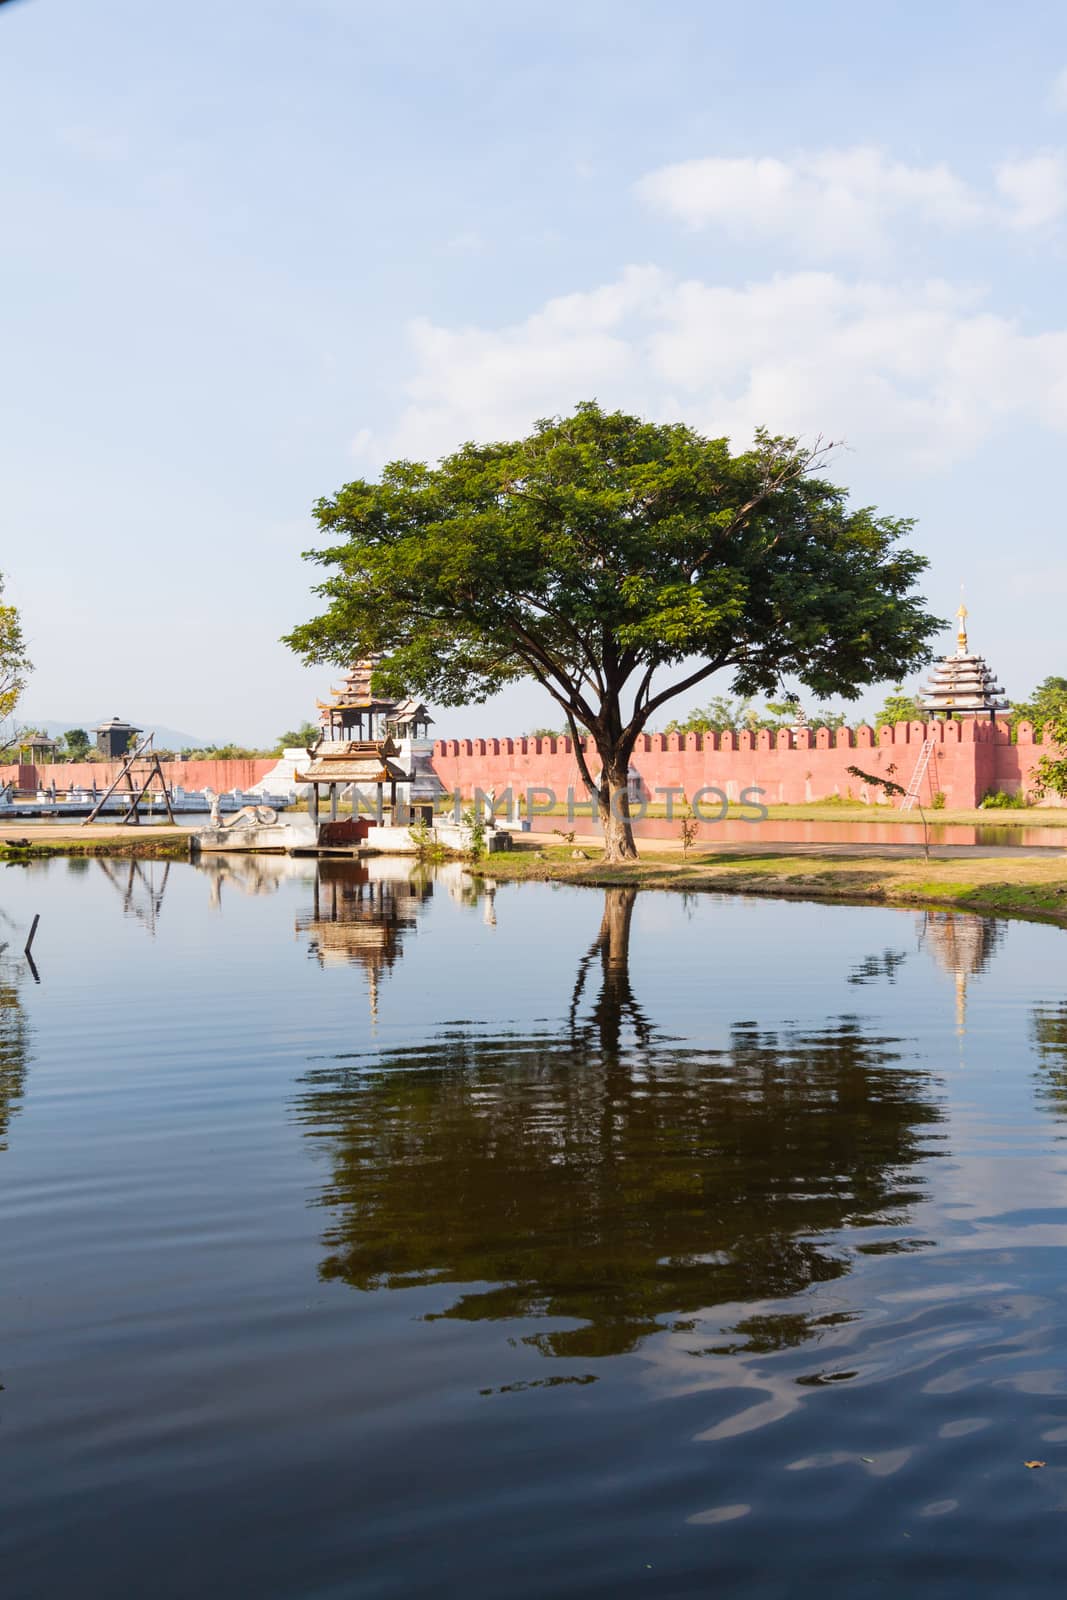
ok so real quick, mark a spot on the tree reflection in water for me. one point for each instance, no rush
(607, 1176)
(1049, 1024)
(14, 1046)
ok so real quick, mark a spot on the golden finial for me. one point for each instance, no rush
(961, 634)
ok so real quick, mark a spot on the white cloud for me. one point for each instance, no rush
(922, 374)
(830, 202)
(1035, 189)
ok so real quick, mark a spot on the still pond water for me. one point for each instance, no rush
(360, 1236)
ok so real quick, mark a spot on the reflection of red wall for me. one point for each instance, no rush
(217, 775)
(969, 759)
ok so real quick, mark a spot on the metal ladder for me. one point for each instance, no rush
(915, 786)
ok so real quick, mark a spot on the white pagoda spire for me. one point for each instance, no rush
(962, 684)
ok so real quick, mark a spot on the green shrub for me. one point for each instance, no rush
(475, 821)
(938, 801)
(997, 800)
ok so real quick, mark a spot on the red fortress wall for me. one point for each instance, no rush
(969, 759)
(218, 775)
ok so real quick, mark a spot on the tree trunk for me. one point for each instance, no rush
(615, 1004)
(613, 807)
(616, 997)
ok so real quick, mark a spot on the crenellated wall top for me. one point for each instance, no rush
(794, 740)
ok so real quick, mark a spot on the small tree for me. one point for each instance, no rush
(892, 789)
(15, 664)
(899, 707)
(76, 744)
(297, 738)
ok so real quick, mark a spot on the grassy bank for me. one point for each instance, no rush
(854, 811)
(153, 844)
(996, 887)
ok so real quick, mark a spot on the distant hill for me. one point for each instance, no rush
(166, 738)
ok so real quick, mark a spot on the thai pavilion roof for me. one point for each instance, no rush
(344, 702)
(356, 693)
(412, 710)
(962, 682)
(355, 761)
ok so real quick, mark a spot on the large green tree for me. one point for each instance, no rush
(618, 563)
(14, 662)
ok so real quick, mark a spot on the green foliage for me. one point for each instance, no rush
(899, 707)
(546, 733)
(999, 800)
(893, 790)
(1048, 703)
(724, 714)
(888, 785)
(475, 821)
(427, 847)
(297, 738)
(15, 664)
(1051, 770)
(76, 744)
(601, 550)
(938, 801)
(225, 752)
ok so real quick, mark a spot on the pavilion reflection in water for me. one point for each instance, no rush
(962, 945)
(360, 914)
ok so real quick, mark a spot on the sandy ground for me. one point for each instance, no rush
(703, 848)
(99, 832)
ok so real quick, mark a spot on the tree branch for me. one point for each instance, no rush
(683, 683)
(579, 754)
(795, 467)
(535, 648)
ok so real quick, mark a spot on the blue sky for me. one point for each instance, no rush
(253, 250)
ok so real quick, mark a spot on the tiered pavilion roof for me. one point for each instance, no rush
(355, 711)
(962, 684)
